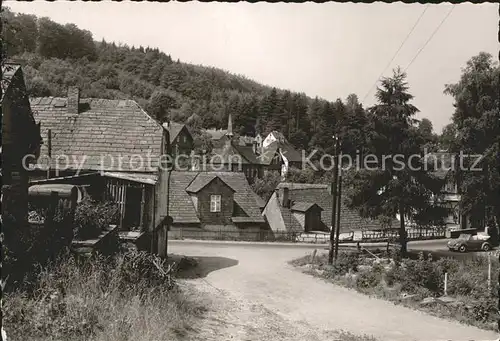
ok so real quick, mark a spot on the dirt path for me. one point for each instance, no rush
(263, 298)
(231, 318)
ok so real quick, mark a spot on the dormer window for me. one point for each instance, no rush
(215, 201)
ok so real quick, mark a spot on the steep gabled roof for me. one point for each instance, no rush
(247, 153)
(229, 154)
(319, 194)
(304, 206)
(173, 129)
(201, 181)
(181, 205)
(244, 196)
(102, 131)
(291, 223)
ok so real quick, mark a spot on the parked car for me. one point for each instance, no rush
(468, 242)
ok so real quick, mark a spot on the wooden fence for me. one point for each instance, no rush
(270, 236)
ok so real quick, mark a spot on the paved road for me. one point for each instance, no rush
(258, 296)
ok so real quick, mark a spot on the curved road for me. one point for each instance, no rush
(258, 296)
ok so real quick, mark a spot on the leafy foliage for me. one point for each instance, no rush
(476, 131)
(401, 183)
(91, 217)
(265, 187)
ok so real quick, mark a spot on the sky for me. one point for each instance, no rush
(328, 50)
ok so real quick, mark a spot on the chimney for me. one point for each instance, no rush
(285, 202)
(73, 100)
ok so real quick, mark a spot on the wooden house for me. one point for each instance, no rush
(114, 150)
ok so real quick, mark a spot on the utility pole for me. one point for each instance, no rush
(334, 201)
(339, 203)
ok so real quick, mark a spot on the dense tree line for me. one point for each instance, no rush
(57, 56)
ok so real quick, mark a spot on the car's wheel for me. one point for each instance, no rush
(486, 247)
(462, 248)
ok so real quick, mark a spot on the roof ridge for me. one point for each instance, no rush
(145, 113)
(196, 176)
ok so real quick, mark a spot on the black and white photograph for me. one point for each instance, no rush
(267, 171)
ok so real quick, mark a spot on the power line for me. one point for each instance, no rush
(395, 54)
(430, 38)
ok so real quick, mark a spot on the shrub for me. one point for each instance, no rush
(415, 274)
(97, 300)
(368, 279)
(91, 217)
(346, 262)
(135, 267)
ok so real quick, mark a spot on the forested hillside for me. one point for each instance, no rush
(56, 56)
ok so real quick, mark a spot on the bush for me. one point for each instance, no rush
(368, 279)
(415, 274)
(484, 309)
(135, 267)
(346, 262)
(91, 217)
(98, 300)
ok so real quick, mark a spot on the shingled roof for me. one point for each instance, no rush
(288, 151)
(201, 181)
(103, 130)
(303, 194)
(229, 153)
(303, 206)
(182, 208)
(173, 129)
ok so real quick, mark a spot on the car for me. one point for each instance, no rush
(468, 242)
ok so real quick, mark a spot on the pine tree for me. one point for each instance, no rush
(400, 186)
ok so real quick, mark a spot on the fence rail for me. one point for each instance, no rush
(270, 236)
(420, 234)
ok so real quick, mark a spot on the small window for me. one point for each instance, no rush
(215, 203)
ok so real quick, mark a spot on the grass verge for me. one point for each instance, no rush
(125, 298)
(418, 283)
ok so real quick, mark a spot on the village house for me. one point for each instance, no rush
(450, 197)
(253, 156)
(181, 140)
(307, 208)
(112, 149)
(20, 137)
(218, 202)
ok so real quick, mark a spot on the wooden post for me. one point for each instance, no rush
(49, 150)
(489, 271)
(446, 284)
(143, 202)
(313, 256)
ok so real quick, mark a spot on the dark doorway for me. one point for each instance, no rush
(133, 201)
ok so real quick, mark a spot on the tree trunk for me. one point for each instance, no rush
(403, 240)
